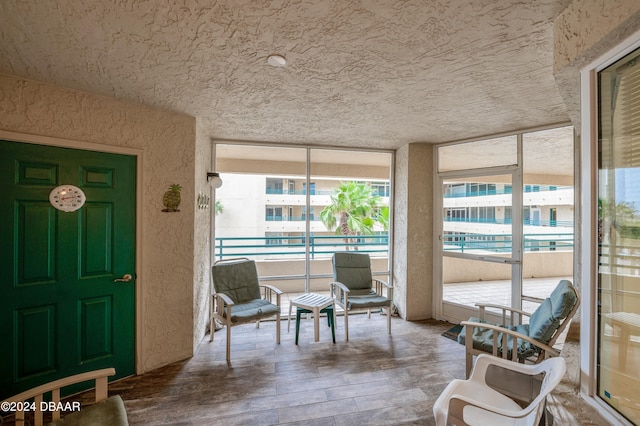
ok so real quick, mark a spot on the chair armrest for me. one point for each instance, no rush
(483, 361)
(379, 284)
(457, 403)
(101, 391)
(469, 338)
(384, 283)
(337, 295)
(504, 310)
(269, 290)
(224, 298)
(272, 288)
(340, 286)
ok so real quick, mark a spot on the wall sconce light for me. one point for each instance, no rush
(214, 179)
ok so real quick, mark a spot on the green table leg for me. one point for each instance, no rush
(330, 323)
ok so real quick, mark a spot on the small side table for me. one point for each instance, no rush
(314, 304)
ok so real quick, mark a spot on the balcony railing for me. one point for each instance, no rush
(227, 247)
(273, 191)
(499, 243)
(530, 222)
(295, 245)
(272, 218)
(503, 191)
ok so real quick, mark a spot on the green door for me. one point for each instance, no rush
(62, 312)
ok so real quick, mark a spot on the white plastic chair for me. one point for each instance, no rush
(488, 396)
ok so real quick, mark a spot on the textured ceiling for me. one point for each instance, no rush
(369, 73)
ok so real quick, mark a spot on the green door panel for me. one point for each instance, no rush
(58, 298)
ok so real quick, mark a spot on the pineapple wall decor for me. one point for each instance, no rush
(171, 198)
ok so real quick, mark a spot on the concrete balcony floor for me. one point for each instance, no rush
(469, 293)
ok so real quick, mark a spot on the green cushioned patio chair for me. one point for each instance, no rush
(239, 298)
(518, 341)
(354, 289)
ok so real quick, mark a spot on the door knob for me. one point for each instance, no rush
(125, 278)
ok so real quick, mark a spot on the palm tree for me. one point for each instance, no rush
(383, 217)
(218, 207)
(350, 212)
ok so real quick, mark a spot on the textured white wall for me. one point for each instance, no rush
(167, 141)
(400, 230)
(202, 236)
(585, 30)
(413, 231)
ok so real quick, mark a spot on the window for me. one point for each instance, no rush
(618, 239)
(312, 188)
(274, 186)
(274, 213)
(493, 192)
(274, 203)
(274, 238)
(380, 188)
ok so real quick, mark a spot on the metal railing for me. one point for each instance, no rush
(508, 221)
(295, 245)
(500, 243)
(504, 191)
(272, 218)
(322, 245)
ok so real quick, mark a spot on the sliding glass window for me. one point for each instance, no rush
(507, 220)
(618, 250)
(284, 207)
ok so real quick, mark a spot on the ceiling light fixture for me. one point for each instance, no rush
(276, 60)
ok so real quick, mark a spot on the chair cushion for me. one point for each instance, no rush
(353, 270)
(237, 279)
(108, 412)
(546, 319)
(563, 299)
(483, 339)
(542, 323)
(367, 299)
(253, 310)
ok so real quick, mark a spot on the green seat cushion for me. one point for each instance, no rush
(237, 279)
(253, 310)
(364, 299)
(108, 412)
(483, 339)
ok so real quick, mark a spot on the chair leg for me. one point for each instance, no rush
(469, 363)
(389, 320)
(212, 327)
(228, 343)
(346, 324)
(278, 329)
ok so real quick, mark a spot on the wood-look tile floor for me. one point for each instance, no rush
(373, 379)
